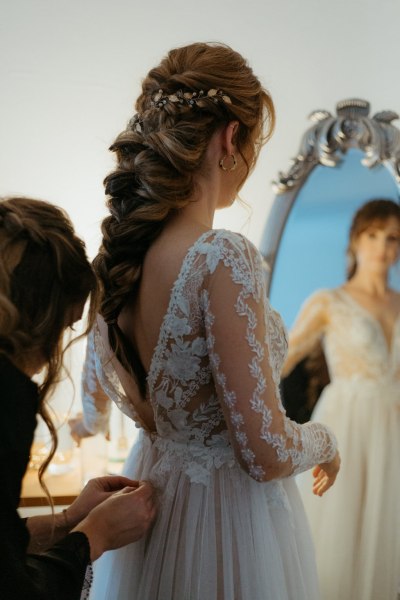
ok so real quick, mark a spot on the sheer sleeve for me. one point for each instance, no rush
(308, 329)
(246, 345)
(95, 402)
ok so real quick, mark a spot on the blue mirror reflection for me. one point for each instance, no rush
(312, 251)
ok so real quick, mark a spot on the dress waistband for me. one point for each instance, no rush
(384, 390)
(195, 459)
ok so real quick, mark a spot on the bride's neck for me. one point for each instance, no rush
(373, 284)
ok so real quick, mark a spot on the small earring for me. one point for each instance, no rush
(233, 165)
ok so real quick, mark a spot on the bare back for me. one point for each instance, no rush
(142, 320)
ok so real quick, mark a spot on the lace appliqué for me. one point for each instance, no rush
(229, 396)
(87, 583)
(196, 461)
(180, 369)
(304, 447)
(192, 434)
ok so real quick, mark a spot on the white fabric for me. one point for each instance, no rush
(356, 525)
(213, 384)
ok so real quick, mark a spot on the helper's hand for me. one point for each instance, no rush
(121, 519)
(96, 491)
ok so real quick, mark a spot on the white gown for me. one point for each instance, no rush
(356, 525)
(221, 533)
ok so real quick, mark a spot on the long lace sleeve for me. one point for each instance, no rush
(308, 329)
(95, 402)
(246, 345)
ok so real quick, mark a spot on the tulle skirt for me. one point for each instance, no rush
(356, 525)
(219, 535)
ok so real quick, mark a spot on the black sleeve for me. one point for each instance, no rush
(57, 574)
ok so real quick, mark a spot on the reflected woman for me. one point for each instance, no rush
(356, 527)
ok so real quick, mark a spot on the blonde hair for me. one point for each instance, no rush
(158, 161)
(44, 275)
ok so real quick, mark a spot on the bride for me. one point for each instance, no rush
(188, 346)
(356, 528)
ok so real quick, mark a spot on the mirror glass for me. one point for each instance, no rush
(347, 374)
(312, 250)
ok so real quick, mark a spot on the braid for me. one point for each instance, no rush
(159, 155)
(15, 232)
(43, 271)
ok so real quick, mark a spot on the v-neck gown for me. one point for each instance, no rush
(222, 531)
(356, 525)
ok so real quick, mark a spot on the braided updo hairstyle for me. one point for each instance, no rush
(194, 91)
(44, 276)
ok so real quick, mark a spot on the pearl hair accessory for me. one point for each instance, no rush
(159, 100)
(190, 99)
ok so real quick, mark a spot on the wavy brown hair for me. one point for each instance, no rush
(375, 212)
(44, 276)
(159, 161)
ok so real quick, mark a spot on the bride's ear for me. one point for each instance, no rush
(229, 137)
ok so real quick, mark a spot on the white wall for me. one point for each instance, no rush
(70, 71)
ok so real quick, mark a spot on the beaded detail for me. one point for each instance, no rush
(87, 583)
(191, 99)
(159, 100)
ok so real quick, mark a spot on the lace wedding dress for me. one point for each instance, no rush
(356, 525)
(222, 532)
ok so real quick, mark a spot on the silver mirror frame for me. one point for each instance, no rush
(325, 143)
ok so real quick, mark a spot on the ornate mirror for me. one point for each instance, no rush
(343, 161)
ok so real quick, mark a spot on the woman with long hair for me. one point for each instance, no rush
(356, 527)
(188, 346)
(45, 280)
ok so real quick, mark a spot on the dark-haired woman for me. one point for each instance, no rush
(356, 527)
(45, 279)
(188, 346)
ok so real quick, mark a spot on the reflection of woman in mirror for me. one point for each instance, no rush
(356, 527)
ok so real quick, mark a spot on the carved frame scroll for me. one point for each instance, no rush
(325, 143)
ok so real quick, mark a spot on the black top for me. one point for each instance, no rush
(59, 572)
